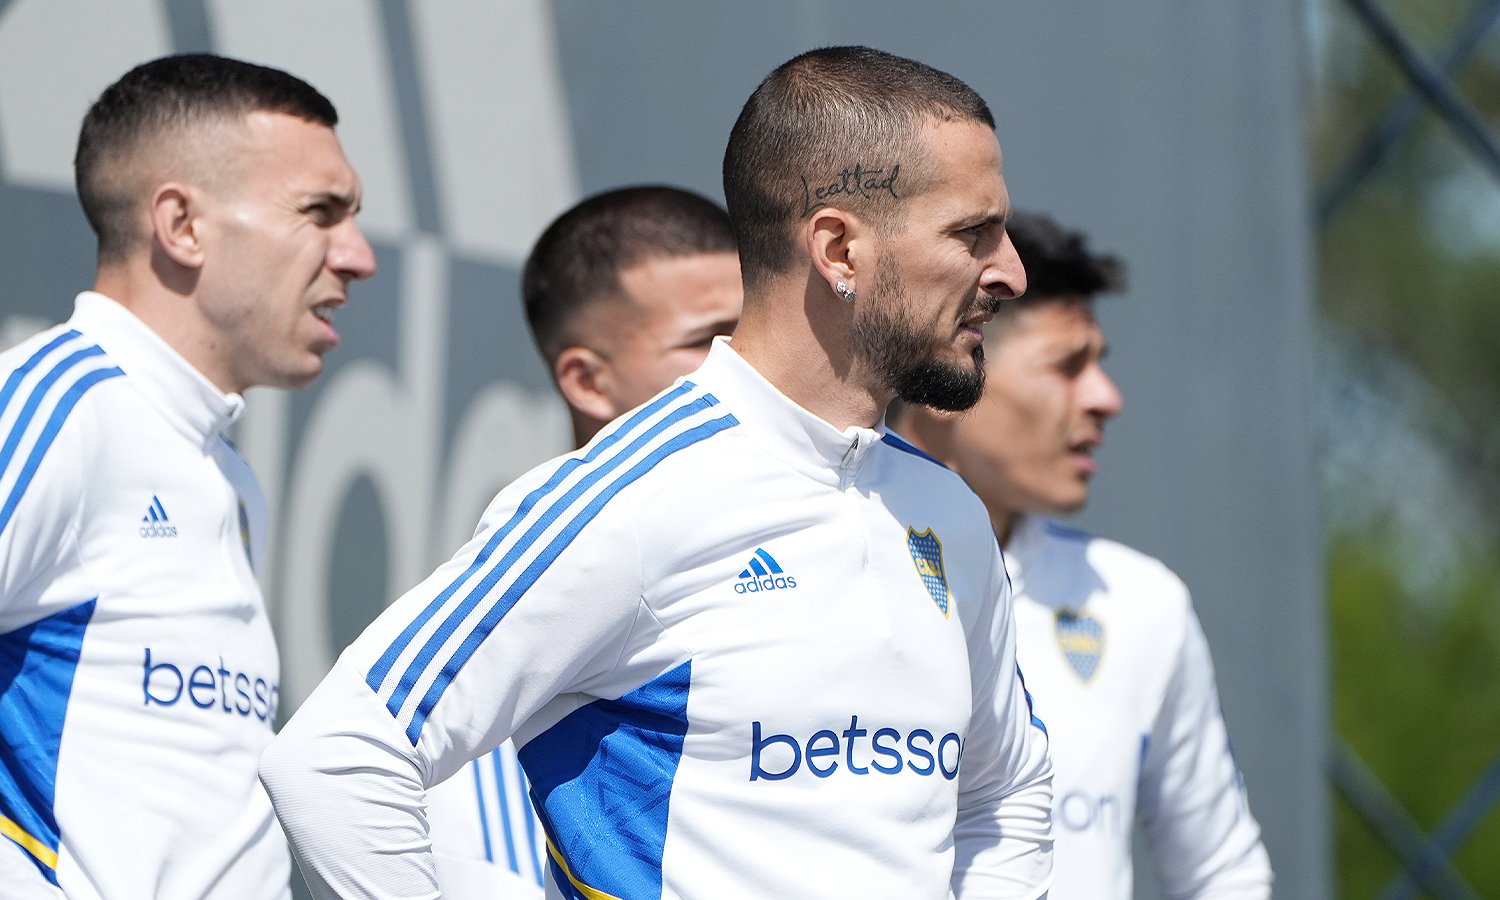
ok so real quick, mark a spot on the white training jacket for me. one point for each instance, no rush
(486, 840)
(1120, 671)
(742, 654)
(138, 673)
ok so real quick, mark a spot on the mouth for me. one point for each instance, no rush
(1083, 454)
(325, 311)
(983, 311)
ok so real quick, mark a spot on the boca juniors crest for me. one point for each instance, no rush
(1081, 638)
(927, 554)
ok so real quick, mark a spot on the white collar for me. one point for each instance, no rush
(187, 399)
(787, 430)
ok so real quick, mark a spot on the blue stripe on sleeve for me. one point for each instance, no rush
(476, 595)
(484, 818)
(497, 762)
(545, 558)
(34, 401)
(382, 667)
(54, 424)
(14, 380)
(534, 851)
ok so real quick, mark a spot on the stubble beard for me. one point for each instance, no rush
(906, 362)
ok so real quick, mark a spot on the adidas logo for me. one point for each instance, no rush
(154, 523)
(763, 574)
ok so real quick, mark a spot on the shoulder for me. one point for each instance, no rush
(49, 373)
(1123, 577)
(671, 442)
(50, 390)
(907, 466)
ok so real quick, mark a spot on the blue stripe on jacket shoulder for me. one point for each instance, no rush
(890, 438)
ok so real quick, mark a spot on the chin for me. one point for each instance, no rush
(296, 379)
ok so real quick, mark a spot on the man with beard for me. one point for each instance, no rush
(1107, 635)
(748, 642)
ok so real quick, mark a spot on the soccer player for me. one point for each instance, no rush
(748, 643)
(1107, 636)
(624, 292)
(138, 674)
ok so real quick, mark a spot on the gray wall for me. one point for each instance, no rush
(1172, 131)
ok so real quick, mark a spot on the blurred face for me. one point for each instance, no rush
(941, 276)
(280, 249)
(672, 310)
(1028, 445)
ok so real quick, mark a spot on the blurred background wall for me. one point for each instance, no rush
(1174, 133)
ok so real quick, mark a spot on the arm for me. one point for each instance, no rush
(38, 618)
(413, 699)
(1003, 836)
(1192, 801)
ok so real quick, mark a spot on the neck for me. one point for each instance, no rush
(160, 294)
(808, 358)
(584, 428)
(1004, 522)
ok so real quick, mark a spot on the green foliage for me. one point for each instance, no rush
(1417, 696)
(1411, 268)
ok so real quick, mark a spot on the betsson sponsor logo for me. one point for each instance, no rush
(208, 687)
(774, 757)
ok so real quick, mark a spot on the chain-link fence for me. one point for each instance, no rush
(1418, 89)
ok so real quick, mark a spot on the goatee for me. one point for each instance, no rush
(905, 361)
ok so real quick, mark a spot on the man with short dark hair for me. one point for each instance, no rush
(748, 643)
(624, 293)
(138, 673)
(1107, 635)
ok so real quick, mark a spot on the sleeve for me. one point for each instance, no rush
(536, 608)
(41, 492)
(1192, 801)
(39, 511)
(1003, 835)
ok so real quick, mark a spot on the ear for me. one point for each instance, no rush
(835, 242)
(583, 379)
(175, 225)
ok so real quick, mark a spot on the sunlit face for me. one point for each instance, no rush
(280, 249)
(1028, 445)
(672, 309)
(940, 276)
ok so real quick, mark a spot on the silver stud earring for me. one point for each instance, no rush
(844, 291)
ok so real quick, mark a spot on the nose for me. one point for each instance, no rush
(1004, 276)
(350, 254)
(1102, 396)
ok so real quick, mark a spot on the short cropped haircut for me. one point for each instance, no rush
(169, 98)
(579, 257)
(831, 127)
(1059, 262)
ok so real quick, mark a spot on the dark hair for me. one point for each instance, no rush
(579, 257)
(1058, 261)
(811, 122)
(171, 96)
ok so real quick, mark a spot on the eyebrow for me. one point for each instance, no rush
(1001, 218)
(349, 203)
